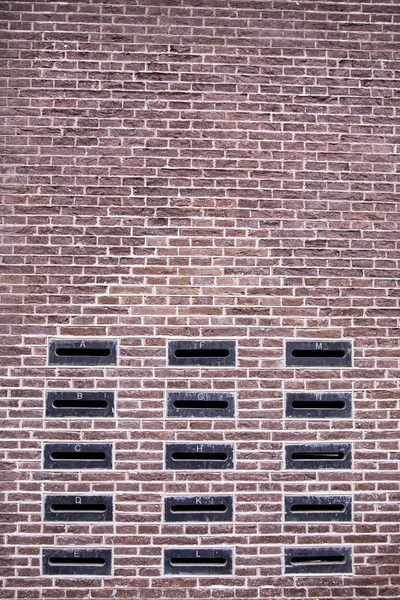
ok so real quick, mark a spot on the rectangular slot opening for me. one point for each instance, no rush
(60, 351)
(198, 561)
(218, 456)
(198, 508)
(317, 560)
(319, 404)
(78, 456)
(316, 508)
(201, 352)
(201, 404)
(80, 404)
(78, 508)
(318, 456)
(73, 560)
(308, 353)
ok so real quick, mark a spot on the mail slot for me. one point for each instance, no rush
(217, 405)
(326, 405)
(318, 456)
(199, 456)
(198, 561)
(207, 353)
(318, 508)
(79, 404)
(77, 456)
(78, 508)
(198, 508)
(76, 561)
(318, 354)
(332, 559)
(82, 352)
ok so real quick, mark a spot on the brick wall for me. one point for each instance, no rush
(201, 169)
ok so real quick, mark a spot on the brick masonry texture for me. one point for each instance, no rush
(201, 169)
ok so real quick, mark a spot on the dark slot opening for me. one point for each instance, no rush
(317, 508)
(83, 351)
(199, 456)
(318, 456)
(78, 508)
(300, 353)
(319, 405)
(201, 352)
(77, 560)
(315, 560)
(196, 508)
(78, 455)
(198, 561)
(201, 404)
(80, 403)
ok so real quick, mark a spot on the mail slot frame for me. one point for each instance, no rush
(201, 361)
(314, 464)
(203, 552)
(55, 344)
(103, 553)
(71, 395)
(346, 515)
(87, 516)
(303, 569)
(192, 464)
(319, 413)
(200, 413)
(61, 465)
(171, 517)
(345, 346)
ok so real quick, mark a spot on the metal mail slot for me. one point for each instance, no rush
(318, 354)
(199, 456)
(77, 456)
(78, 508)
(198, 561)
(82, 352)
(76, 561)
(326, 405)
(318, 508)
(198, 508)
(318, 456)
(333, 559)
(207, 353)
(80, 404)
(217, 405)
